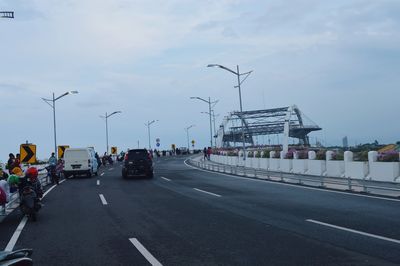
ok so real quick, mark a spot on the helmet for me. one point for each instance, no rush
(32, 173)
(17, 171)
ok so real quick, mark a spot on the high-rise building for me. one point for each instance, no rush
(345, 143)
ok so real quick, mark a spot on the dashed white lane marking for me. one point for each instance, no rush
(18, 231)
(103, 199)
(355, 231)
(101, 174)
(167, 179)
(210, 193)
(111, 169)
(98, 182)
(150, 258)
(291, 185)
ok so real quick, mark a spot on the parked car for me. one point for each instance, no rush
(80, 161)
(137, 162)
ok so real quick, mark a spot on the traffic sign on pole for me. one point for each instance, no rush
(61, 150)
(28, 153)
(114, 150)
(158, 144)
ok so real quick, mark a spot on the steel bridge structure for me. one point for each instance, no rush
(289, 121)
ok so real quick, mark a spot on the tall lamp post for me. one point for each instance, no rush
(52, 103)
(187, 135)
(238, 74)
(209, 111)
(106, 118)
(148, 124)
(215, 130)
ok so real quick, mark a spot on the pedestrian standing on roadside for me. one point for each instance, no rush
(10, 162)
(17, 161)
(209, 153)
(205, 153)
(4, 192)
(3, 175)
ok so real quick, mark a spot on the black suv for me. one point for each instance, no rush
(137, 162)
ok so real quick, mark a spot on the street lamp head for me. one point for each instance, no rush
(73, 92)
(213, 65)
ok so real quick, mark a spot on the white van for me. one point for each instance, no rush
(80, 161)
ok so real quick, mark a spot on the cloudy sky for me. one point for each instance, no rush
(338, 61)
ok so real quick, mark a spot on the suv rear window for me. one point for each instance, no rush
(137, 154)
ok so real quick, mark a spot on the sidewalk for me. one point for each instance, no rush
(341, 184)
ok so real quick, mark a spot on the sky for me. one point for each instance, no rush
(338, 61)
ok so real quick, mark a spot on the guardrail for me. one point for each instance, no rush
(348, 184)
(13, 203)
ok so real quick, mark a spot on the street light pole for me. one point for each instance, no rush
(148, 130)
(187, 135)
(106, 118)
(238, 74)
(52, 104)
(209, 111)
(213, 119)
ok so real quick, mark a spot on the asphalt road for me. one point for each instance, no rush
(185, 216)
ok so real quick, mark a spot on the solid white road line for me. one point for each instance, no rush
(207, 192)
(292, 185)
(110, 169)
(150, 258)
(166, 178)
(354, 231)
(16, 234)
(52, 187)
(98, 182)
(18, 231)
(101, 174)
(103, 200)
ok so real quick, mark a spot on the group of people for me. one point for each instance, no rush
(26, 184)
(207, 153)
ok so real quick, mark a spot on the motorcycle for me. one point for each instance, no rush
(15, 258)
(52, 174)
(29, 202)
(110, 160)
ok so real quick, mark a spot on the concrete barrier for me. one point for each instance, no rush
(300, 166)
(382, 171)
(352, 169)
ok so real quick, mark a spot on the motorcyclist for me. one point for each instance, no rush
(33, 181)
(52, 166)
(59, 170)
(31, 193)
(98, 160)
(14, 179)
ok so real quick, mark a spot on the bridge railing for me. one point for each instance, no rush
(348, 184)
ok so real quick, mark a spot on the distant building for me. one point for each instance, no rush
(345, 143)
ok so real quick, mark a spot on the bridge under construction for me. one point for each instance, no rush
(289, 121)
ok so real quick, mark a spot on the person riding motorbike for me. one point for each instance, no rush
(33, 181)
(31, 193)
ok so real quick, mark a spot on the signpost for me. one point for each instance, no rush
(61, 150)
(28, 153)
